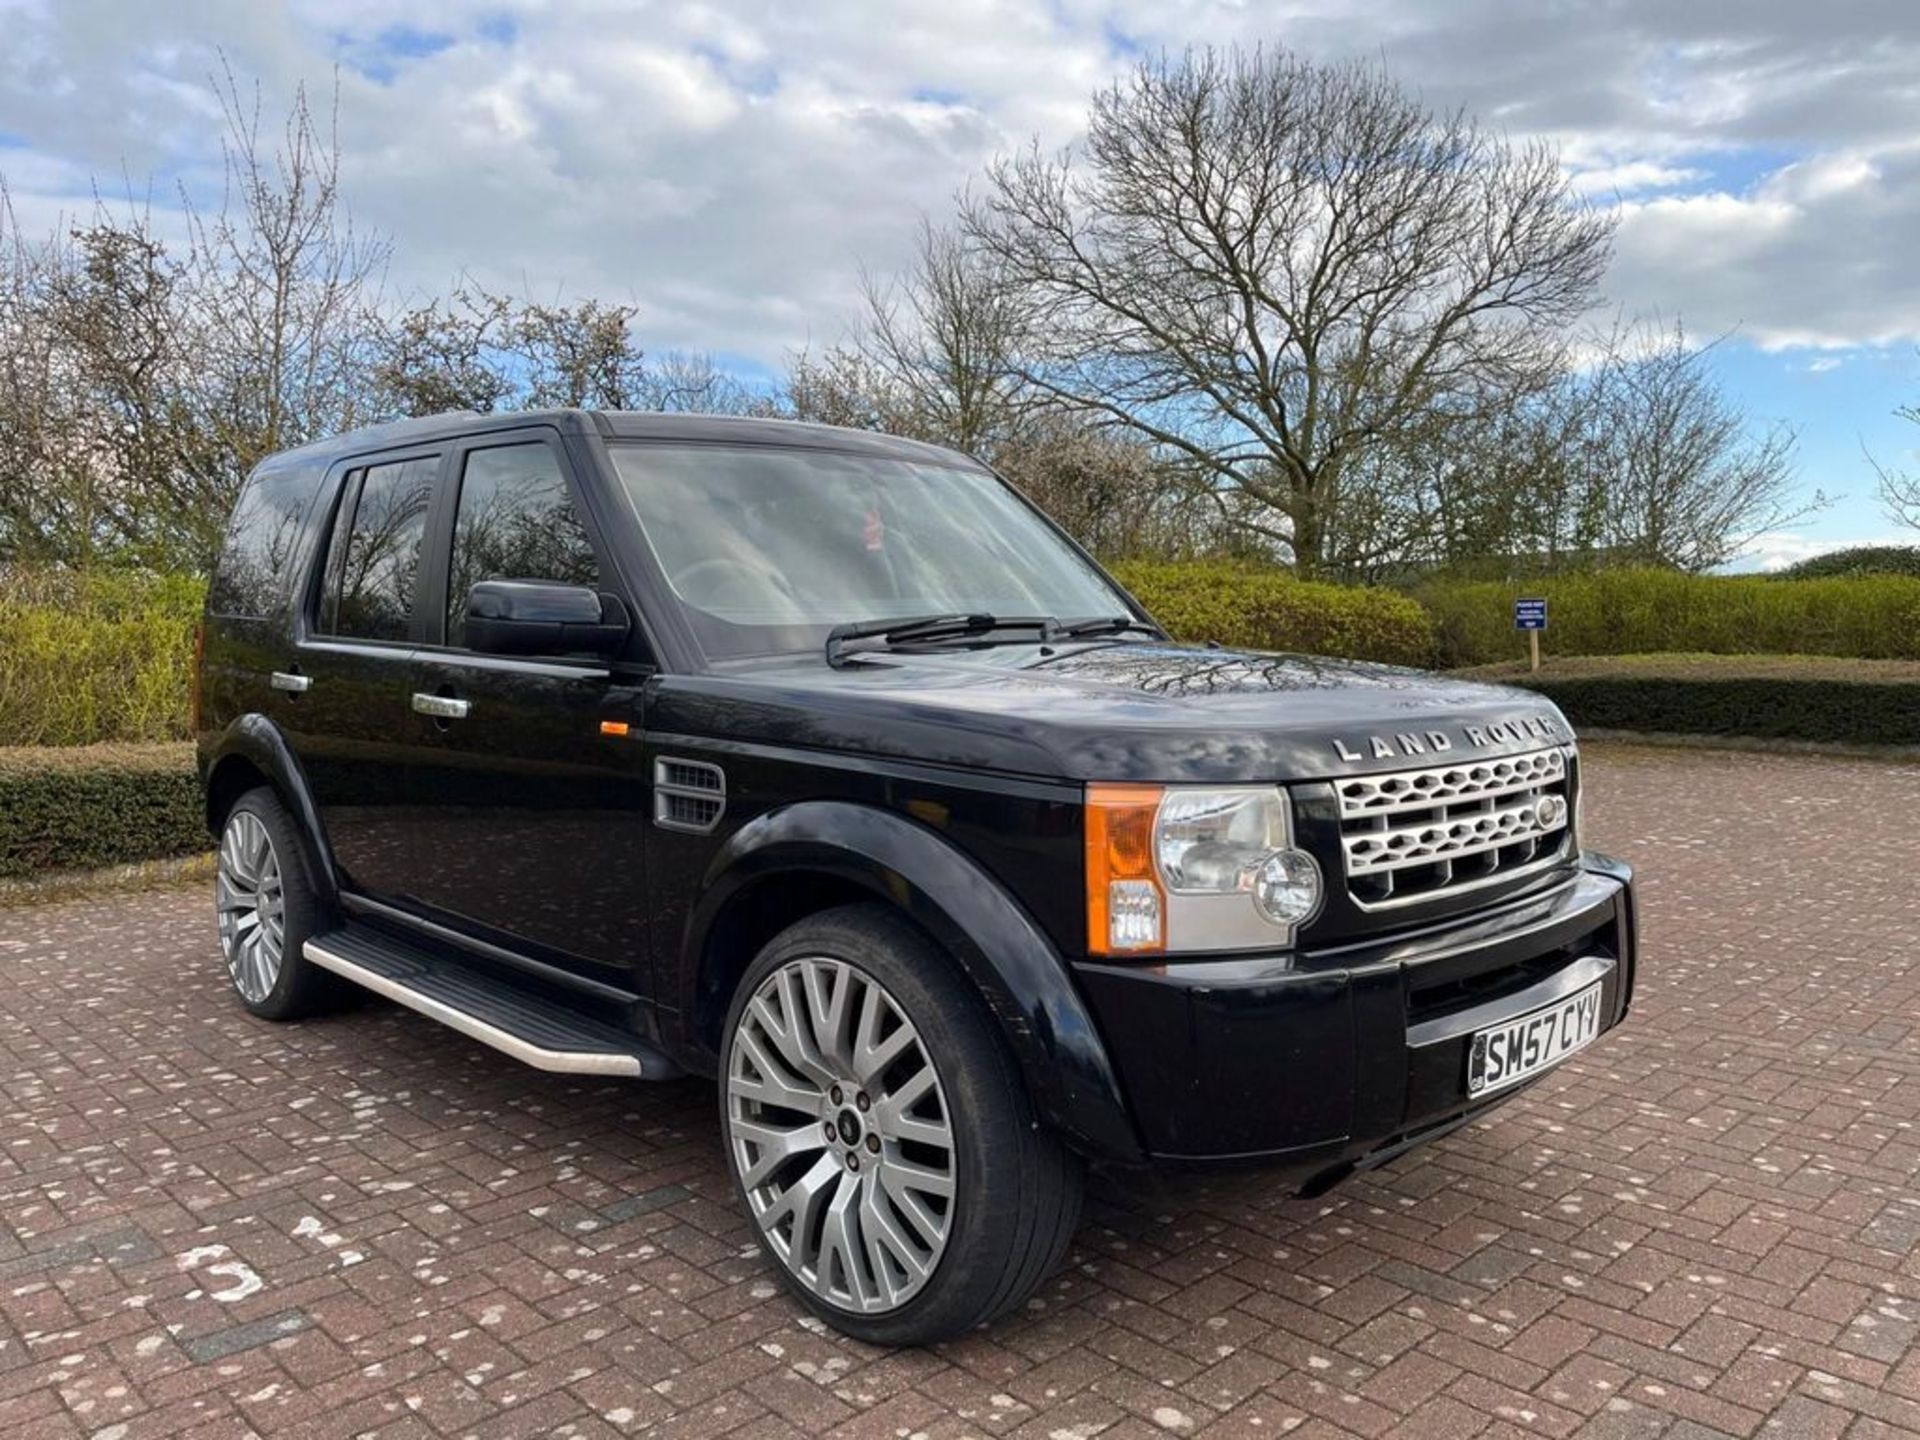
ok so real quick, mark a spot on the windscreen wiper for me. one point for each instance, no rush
(1106, 625)
(908, 628)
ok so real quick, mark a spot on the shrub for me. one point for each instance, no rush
(1860, 702)
(1264, 608)
(1857, 560)
(1613, 612)
(83, 807)
(93, 657)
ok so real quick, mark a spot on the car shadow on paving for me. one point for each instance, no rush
(370, 1225)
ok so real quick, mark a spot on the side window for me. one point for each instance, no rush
(373, 562)
(256, 561)
(514, 522)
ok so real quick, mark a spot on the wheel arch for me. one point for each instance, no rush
(253, 752)
(816, 855)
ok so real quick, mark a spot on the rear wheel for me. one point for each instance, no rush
(881, 1137)
(265, 908)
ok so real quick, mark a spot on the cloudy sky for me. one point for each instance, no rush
(728, 165)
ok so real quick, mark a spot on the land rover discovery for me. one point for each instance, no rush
(822, 763)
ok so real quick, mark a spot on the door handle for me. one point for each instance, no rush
(291, 683)
(441, 707)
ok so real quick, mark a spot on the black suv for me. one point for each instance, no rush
(820, 762)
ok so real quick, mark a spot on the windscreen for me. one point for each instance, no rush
(768, 549)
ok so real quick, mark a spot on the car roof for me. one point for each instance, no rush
(621, 425)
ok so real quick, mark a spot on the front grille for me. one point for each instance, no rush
(1417, 834)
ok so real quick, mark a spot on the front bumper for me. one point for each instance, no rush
(1329, 1060)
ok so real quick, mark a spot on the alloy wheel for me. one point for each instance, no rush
(841, 1135)
(249, 897)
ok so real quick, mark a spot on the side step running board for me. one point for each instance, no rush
(531, 1028)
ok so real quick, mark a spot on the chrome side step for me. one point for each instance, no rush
(530, 1028)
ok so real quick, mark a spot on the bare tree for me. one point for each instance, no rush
(95, 428)
(933, 357)
(1111, 491)
(944, 334)
(442, 355)
(1900, 489)
(694, 384)
(1271, 267)
(843, 385)
(49, 503)
(476, 350)
(582, 354)
(284, 289)
(1683, 478)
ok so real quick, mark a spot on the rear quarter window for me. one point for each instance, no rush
(262, 550)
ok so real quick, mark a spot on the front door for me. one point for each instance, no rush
(346, 685)
(538, 806)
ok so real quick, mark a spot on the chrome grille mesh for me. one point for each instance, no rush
(1416, 834)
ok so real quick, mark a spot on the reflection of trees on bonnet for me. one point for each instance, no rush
(1154, 670)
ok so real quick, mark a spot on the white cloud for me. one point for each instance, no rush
(727, 166)
(1631, 177)
(1810, 256)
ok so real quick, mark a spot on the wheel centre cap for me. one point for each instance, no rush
(849, 1126)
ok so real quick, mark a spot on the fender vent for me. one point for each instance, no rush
(688, 795)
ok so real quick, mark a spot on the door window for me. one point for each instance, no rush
(373, 561)
(515, 521)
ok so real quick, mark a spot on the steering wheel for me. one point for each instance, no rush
(723, 584)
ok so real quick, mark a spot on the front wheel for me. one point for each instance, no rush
(881, 1137)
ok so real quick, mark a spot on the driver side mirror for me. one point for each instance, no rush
(539, 617)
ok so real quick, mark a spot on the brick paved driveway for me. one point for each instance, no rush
(1708, 1224)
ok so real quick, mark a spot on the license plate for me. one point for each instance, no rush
(1516, 1049)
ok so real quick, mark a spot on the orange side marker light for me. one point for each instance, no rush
(614, 727)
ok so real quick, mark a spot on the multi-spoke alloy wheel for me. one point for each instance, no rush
(250, 903)
(841, 1135)
(265, 907)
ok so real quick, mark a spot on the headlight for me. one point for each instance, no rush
(1194, 869)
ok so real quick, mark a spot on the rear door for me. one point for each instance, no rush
(353, 667)
(533, 831)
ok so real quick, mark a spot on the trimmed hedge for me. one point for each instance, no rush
(1855, 561)
(84, 807)
(1622, 612)
(1264, 608)
(1768, 697)
(95, 657)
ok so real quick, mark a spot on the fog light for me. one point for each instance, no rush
(1549, 811)
(1286, 887)
(1133, 915)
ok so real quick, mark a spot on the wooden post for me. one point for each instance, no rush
(1533, 644)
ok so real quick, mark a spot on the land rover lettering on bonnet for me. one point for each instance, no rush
(821, 763)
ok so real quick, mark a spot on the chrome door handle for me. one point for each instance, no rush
(291, 683)
(441, 707)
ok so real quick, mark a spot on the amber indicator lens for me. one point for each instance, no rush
(1126, 909)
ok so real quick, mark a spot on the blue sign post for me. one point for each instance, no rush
(1531, 616)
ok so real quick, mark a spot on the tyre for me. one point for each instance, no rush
(265, 908)
(880, 1135)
